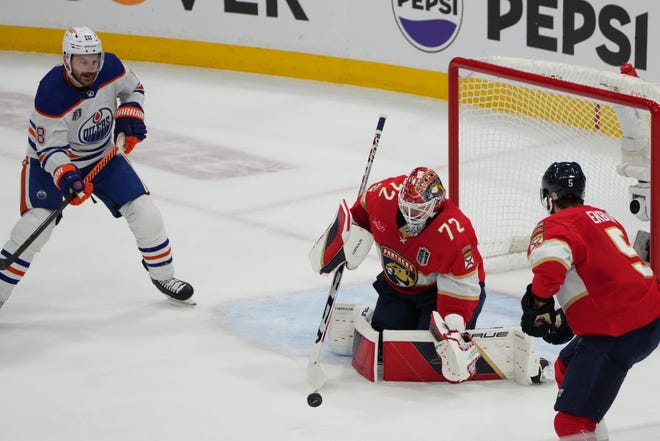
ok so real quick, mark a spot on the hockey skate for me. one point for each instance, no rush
(175, 289)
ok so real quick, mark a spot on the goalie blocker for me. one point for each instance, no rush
(342, 243)
(505, 353)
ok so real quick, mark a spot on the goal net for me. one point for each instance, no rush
(510, 118)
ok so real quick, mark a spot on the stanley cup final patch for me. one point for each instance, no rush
(423, 256)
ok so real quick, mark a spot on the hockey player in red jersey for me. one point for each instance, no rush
(428, 251)
(79, 106)
(608, 297)
(432, 272)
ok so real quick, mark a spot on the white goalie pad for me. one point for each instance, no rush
(512, 352)
(526, 364)
(342, 326)
(506, 353)
(342, 242)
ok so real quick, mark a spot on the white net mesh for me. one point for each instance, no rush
(510, 132)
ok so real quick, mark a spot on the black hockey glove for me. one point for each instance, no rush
(559, 332)
(536, 322)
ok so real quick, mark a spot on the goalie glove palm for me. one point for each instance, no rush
(458, 353)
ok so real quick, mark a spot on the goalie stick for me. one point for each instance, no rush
(6, 262)
(315, 375)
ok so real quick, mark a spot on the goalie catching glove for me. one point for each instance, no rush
(540, 319)
(343, 242)
(457, 351)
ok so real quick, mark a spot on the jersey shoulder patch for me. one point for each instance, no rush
(537, 237)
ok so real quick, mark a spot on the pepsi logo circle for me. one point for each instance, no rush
(429, 25)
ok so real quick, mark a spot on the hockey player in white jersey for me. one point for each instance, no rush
(70, 130)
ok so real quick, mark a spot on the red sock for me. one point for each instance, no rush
(567, 424)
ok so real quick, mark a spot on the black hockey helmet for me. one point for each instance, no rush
(562, 180)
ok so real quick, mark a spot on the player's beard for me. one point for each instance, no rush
(86, 79)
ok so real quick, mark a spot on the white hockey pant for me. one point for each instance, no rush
(146, 222)
(26, 225)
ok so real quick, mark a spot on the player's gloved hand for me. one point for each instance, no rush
(538, 314)
(458, 353)
(559, 333)
(68, 179)
(129, 119)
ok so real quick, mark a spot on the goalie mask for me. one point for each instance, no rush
(420, 197)
(81, 40)
(562, 180)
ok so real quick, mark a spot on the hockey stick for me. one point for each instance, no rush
(315, 375)
(6, 263)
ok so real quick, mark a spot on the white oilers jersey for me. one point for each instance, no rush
(72, 125)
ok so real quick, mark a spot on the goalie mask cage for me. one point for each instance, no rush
(510, 118)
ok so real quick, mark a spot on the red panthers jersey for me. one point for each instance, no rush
(444, 254)
(583, 256)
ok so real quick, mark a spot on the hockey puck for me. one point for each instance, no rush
(314, 399)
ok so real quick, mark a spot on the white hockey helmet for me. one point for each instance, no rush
(81, 40)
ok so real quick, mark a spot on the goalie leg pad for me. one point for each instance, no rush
(341, 329)
(527, 367)
(365, 345)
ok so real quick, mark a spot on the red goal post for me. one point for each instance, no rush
(510, 118)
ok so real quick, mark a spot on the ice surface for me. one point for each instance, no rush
(248, 170)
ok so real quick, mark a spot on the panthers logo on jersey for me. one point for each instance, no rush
(398, 269)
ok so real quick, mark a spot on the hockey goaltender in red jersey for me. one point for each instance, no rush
(432, 274)
(609, 298)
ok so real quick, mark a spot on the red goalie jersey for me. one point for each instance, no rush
(583, 257)
(444, 254)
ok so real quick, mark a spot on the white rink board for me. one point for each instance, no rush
(371, 30)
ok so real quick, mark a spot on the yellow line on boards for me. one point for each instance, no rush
(241, 58)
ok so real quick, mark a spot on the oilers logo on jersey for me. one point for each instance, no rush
(96, 127)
